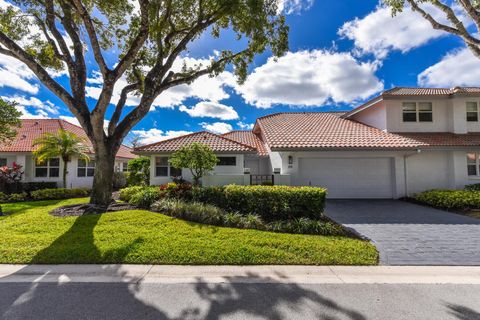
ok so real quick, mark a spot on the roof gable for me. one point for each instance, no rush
(248, 138)
(216, 142)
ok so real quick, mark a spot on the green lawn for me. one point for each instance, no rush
(31, 235)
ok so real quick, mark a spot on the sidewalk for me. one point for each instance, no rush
(240, 274)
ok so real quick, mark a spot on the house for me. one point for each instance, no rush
(404, 141)
(80, 173)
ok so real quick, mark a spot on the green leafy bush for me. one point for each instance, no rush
(60, 193)
(450, 199)
(127, 193)
(18, 197)
(139, 172)
(145, 197)
(119, 180)
(174, 190)
(473, 187)
(191, 211)
(306, 226)
(3, 197)
(269, 202)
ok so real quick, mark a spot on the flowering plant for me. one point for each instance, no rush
(11, 175)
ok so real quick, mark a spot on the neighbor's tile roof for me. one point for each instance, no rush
(248, 138)
(444, 139)
(33, 128)
(216, 142)
(325, 130)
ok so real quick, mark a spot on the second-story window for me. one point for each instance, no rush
(472, 112)
(417, 112)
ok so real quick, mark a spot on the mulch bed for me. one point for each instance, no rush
(77, 210)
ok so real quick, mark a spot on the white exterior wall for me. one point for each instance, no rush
(375, 116)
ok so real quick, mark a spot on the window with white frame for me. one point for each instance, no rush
(164, 169)
(472, 111)
(47, 169)
(125, 166)
(473, 164)
(3, 162)
(417, 112)
(85, 168)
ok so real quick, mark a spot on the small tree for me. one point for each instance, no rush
(139, 171)
(197, 157)
(62, 144)
(9, 120)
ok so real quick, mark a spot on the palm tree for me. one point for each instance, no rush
(63, 144)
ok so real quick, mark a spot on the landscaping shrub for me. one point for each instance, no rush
(34, 186)
(145, 197)
(3, 197)
(269, 202)
(473, 187)
(191, 211)
(181, 190)
(17, 197)
(119, 180)
(60, 193)
(127, 193)
(450, 199)
(306, 226)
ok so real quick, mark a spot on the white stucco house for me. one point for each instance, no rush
(80, 173)
(404, 141)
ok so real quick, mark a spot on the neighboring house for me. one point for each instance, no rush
(80, 173)
(404, 141)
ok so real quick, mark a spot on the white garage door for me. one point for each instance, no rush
(348, 178)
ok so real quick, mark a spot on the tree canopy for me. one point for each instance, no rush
(149, 36)
(196, 157)
(456, 15)
(9, 120)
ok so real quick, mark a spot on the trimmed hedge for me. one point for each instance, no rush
(20, 187)
(213, 215)
(473, 187)
(450, 199)
(270, 202)
(60, 193)
(127, 193)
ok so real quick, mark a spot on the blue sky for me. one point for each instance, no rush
(341, 53)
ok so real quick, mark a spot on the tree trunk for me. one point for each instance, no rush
(65, 170)
(103, 178)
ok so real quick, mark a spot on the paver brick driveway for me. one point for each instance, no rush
(409, 234)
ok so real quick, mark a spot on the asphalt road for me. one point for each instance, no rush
(231, 300)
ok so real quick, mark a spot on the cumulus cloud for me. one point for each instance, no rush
(458, 68)
(33, 108)
(294, 6)
(310, 78)
(378, 33)
(217, 127)
(154, 135)
(212, 110)
(16, 75)
(204, 88)
(245, 126)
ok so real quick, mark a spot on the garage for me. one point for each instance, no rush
(349, 177)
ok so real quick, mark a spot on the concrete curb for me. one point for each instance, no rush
(240, 274)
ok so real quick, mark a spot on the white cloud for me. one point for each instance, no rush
(245, 126)
(458, 68)
(46, 106)
(16, 75)
(212, 110)
(310, 78)
(26, 114)
(154, 135)
(204, 88)
(378, 33)
(217, 127)
(294, 6)
(72, 120)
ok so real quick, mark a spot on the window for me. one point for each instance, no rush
(3, 162)
(417, 112)
(473, 164)
(227, 161)
(175, 172)
(85, 168)
(472, 112)
(125, 166)
(161, 166)
(48, 168)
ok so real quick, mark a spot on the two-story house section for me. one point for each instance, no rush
(404, 141)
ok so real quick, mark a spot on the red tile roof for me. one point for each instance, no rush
(444, 139)
(248, 138)
(325, 130)
(33, 128)
(415, 92)
(216, 142)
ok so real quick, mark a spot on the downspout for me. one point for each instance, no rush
(405, 169)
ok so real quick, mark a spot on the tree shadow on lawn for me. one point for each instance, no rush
(21, 207)
(463, 313)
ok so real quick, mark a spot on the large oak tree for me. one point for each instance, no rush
(150, 36)
(456, 14)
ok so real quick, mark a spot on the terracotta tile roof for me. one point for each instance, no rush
(248, 138)
(216, 142)
(415, 92)
(34, 128)
(444, 139)
(324, 130)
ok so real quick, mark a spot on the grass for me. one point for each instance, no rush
(30, 235)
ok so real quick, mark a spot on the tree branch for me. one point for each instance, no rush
(472, 12)
(119, 107)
